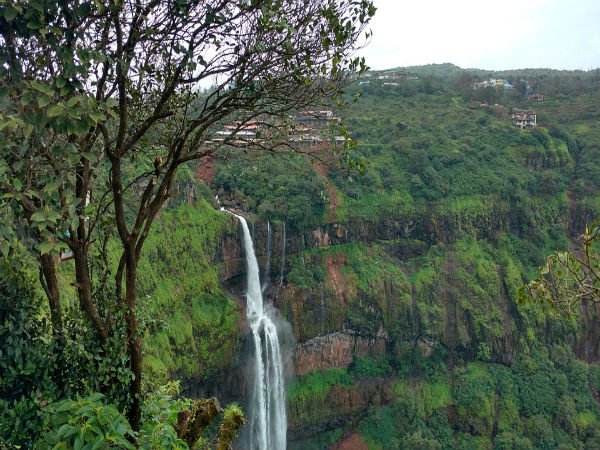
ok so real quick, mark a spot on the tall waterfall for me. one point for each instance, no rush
(268, 418)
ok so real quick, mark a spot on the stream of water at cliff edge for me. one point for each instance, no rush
(267, 414)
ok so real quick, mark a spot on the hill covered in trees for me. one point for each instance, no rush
(405, 264)
(397, 268)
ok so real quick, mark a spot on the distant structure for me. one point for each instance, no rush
(316, 119)
(312, 128)
(244, 132)
(536, 97)
(494, 83)
(395, 75)
(524, 118)
(392, 77)
(305, 129)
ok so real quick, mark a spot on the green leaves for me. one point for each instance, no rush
(44, 101)
(55, 111)
(10, 12)
(10, 121)
(566, 279)
(42, 87)
(38, 216)
(85, 423)
(46, 247)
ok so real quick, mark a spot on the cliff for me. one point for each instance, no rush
(360, 295)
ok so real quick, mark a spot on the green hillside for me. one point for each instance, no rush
(455, 210)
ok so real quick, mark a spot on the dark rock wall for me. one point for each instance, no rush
(324, 339)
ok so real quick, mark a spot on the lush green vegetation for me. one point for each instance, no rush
(542, 401)
(194, 324)
(454, 213)
(50, 389)
(282, 187)
(309, 396)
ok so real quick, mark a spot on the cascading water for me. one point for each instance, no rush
(267, 414)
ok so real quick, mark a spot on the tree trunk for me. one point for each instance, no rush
(134, 339)
(50, 284)
(84, 290)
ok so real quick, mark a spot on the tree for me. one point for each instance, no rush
(101, 102)
(567, 278)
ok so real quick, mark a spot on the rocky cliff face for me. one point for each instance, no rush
(321, 315)
(385, 303)
(336, 350)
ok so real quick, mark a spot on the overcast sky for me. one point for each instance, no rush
(495, 35)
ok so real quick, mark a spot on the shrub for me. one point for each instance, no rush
(371, 366)
(84, 423)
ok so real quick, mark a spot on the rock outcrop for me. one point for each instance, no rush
(336, 350)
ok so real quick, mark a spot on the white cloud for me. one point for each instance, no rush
(488, 35)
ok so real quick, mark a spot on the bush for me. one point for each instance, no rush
(510, 441)
(27, 360)
(84, 423)
(371, 366)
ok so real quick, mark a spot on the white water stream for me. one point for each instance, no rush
(267, 414)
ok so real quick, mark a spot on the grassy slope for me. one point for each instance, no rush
(194, 322)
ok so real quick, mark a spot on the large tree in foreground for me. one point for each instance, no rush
(102, 101)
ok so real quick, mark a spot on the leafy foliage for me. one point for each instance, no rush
(295, 196)
(97, 114)
(39, 369)
(370, 367)
(492, 403)
(85, 423)
(308, 395)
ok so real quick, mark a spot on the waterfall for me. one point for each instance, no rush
(267, 414)
(283, 257)
(267, 272)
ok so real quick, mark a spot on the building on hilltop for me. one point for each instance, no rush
(524, 118)
(317, 119)
(494, 83)
(536, 97)
(305, 129)
(393, 75)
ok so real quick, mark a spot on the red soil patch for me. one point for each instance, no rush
(207, 167)
(333, 201)
(335, 275)
(351, 442)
